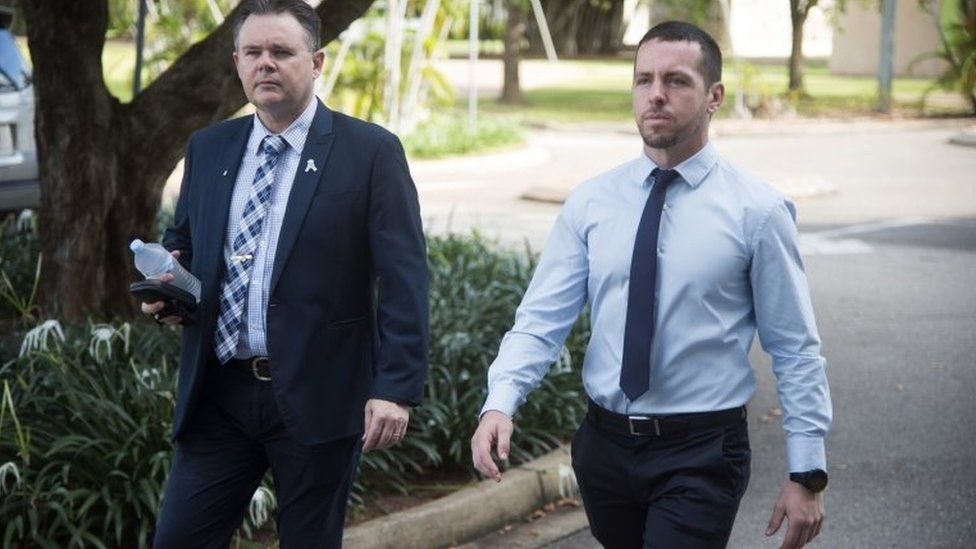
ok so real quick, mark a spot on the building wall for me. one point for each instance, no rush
(762, 29)
(759, 28)
(857, 39)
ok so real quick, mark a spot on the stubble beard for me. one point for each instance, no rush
(664, 141)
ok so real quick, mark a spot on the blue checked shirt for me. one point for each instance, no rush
(728, 265)
(252, 336)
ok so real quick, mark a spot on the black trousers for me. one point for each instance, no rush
(236, 434)
(679, 491)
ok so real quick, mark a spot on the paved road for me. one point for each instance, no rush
(888, 223)
(899, 334)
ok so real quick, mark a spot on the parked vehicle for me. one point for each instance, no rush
(19, 185)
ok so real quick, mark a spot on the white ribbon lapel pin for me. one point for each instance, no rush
(310, 166)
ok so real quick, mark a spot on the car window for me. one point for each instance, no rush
(13, 70)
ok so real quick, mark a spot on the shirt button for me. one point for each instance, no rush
(660, 251)
(666, 206)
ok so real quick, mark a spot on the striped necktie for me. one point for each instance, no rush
(233, 294)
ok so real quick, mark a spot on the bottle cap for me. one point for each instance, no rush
(136, 245)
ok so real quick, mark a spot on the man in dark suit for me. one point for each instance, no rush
(303, 226)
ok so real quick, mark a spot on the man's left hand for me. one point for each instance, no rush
(804, 512)
(386, 424)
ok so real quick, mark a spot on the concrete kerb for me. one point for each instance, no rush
(966, 137)
(470, 512)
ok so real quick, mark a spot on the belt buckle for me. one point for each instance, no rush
(633, 431)
(255, 364)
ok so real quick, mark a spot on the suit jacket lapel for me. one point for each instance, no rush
(218, 200)
(318, 144)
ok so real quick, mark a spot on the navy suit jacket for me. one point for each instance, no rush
(347, 305)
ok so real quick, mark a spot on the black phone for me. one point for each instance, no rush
(178, 302)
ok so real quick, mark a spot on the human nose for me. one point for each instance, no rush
(656, 92)
(265, 62)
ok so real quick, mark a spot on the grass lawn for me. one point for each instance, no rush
(602, 92)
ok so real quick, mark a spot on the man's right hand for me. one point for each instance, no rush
(494, 429)
(152, 308)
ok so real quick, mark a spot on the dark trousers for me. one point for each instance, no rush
(674, 491)
(236, 434)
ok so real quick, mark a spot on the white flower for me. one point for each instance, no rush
(100, 346)
(567, 482)
(262, 504)
(564, 363)
(8, 470)
(26, 221)
(37, 338)
(149, 378)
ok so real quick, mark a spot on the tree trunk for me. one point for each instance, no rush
(562, 17)
(600, 30)
(514, 35)
(798, 17)
(103, 164)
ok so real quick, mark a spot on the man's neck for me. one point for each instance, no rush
(670, 157)
(277, 122)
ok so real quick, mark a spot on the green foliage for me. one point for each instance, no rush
(957, 31)
(447, 134)
(86, 410)
(86, 426)
(19, 268)
(474, 291)
(363, 75)
(171, 27)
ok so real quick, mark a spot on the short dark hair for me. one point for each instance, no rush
(299, 9)
(679, 31)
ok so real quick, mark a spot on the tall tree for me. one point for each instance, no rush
(799, 10)
(514, 36)
(103, 163)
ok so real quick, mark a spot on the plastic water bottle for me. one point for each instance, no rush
(153, 261)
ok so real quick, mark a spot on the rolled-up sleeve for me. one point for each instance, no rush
(788, 332)
(551, 304)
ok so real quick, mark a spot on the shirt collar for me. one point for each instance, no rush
(294, 135)
(692, 171)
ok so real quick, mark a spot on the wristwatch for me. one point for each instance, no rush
(814, 480)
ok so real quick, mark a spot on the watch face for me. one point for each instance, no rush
(817, 480)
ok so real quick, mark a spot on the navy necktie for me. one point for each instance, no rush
(635, 373)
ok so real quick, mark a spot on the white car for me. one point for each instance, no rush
(19, 185)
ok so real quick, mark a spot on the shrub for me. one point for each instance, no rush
(86, 410)
(447, 134)
(85, 423)
(474, 290)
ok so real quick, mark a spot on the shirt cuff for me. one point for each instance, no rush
(502, 398)
(804, 453)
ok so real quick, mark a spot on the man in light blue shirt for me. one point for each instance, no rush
(683, 258)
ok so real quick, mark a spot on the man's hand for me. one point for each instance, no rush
(156, 306)
(802, 509)
(386, 424)
(494, 429)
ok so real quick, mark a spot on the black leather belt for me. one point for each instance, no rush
(662, 425)
(258, 366)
